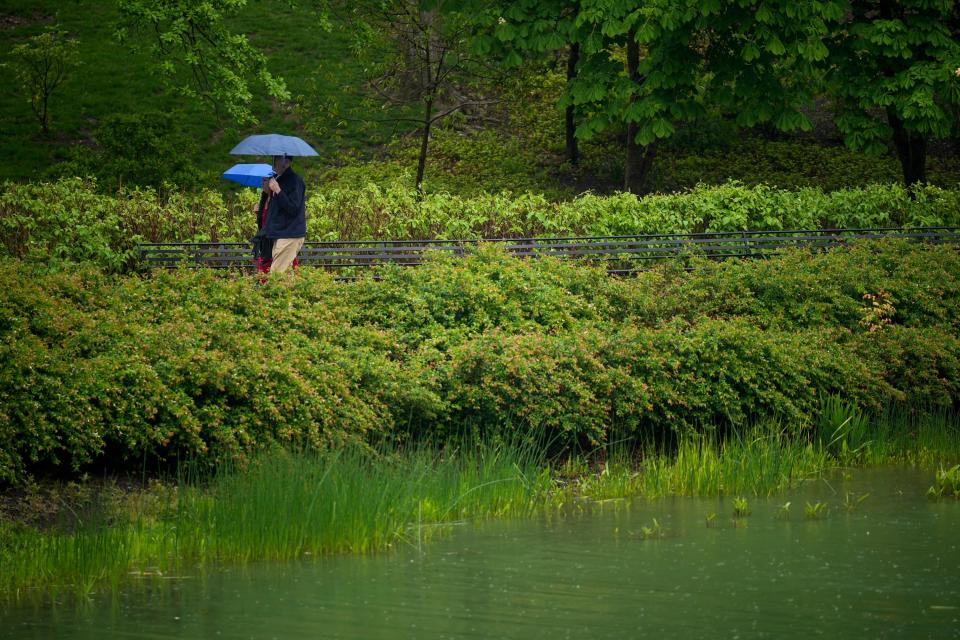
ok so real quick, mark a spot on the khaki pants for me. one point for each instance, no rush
(284, 251)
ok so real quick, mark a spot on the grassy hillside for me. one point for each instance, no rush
(113, 79)
(518, 146)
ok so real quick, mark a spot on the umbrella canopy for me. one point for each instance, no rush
(248, 175)
(273, 144)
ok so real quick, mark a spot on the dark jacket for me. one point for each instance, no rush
(287, 215)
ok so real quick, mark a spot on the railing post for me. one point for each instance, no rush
(382, 258)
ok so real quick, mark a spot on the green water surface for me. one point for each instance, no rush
(889, 568)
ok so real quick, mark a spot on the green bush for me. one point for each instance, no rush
(181, 363)
(146, 149)
(393, 212)
(62, 222)
(100, 368)
(68, 221)
(803, 290)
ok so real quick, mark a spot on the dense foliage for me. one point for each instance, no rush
(105, 368)
(708, 152)
(644, 67)
(69, 222)
(220, 64)
(147, 149)
(41, 65)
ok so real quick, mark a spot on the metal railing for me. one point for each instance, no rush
(621, 254)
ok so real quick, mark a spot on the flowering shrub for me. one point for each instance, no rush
(103, 368)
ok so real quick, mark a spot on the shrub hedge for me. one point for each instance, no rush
(69, 222)
(110, 369)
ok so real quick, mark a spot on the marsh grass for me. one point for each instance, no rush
(760, 463)
(741, 508)
(757, 461)
(284, 506)
(912, 436)
(815, 510)
(946, 483)
(783, 511)
(655, 530)
(842, 429)
(294, 505)
(851, 501)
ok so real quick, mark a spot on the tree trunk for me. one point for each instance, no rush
(911, 150)
(638, 164)
(45, 115)
(638, 159)
(632, 166)
(424, 141)
(573, 153)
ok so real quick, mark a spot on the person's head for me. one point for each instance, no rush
(281, 164)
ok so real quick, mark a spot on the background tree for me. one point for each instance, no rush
(570, 111)
(650, 65)
(41, 65)
(644, 66)
(893, 67)
(191, 36)
(421, 60)
(510, 31)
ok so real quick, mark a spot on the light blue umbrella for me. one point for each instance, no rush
(273, 144)
(248, 175)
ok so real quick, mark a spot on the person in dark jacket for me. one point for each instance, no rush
(282, 216)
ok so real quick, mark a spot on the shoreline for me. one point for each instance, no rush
(287, 506)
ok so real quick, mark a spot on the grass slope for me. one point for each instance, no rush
(113, 79)
(518, 146)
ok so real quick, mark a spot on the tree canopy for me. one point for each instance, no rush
(639, 67)
(894, 70)
(644, 66)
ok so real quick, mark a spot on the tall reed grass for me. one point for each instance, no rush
(289, 505)
(757, 462)
(914, 436)
(283, 506)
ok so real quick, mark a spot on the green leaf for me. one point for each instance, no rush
(750, 52)
(505, 32)
(775, 46)
(763, 14)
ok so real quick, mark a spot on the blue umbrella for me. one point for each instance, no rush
(273, 144)
(249, 175)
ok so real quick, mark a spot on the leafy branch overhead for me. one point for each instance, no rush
(644, 67)
(191, 36)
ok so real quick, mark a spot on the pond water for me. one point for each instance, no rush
(890, 567)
